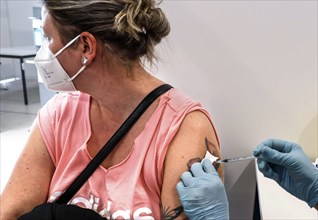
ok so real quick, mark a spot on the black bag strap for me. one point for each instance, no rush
(111, 143)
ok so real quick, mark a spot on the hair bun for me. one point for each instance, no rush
(128, 29)
(140, 17)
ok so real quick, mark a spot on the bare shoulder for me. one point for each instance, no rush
(190, 138)
(188, 144)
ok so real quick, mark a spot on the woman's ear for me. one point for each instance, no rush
(88, 47)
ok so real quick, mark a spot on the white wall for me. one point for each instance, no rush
(253, 64)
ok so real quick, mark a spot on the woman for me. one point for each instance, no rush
(97, 48)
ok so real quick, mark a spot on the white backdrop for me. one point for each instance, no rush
(253, 64)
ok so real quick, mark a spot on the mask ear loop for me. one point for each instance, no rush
(66, 46)
(73, 77)
(84, 61)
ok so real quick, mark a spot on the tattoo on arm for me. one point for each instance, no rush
(168, 214)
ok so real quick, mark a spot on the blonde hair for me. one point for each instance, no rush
(130, 29)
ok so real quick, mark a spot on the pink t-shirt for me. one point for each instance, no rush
(128, 190)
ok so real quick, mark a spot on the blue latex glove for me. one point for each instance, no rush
(202, 193)
(287, 164)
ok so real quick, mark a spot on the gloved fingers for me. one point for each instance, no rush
(197, 169)
(267, 171)
(273, 156)
(259, 148)
(283, 146)
(280, 145)
(187, 178)
(261, 164)
(180, 187)
(208, 167)
(276, 144)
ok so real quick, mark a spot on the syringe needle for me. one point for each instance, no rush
(235, 159)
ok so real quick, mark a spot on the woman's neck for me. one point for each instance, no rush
(117, 93)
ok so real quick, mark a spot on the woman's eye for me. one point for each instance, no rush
(46, 38)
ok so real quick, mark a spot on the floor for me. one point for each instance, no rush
(15, 121)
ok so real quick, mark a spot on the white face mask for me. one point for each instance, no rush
(54, 76)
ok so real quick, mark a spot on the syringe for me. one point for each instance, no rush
(213, 158)
(235, 159)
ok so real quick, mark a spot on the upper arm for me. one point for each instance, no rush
(189, 143)
(29, 182)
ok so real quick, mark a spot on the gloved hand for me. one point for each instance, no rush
(202, 193)
(287, 164)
